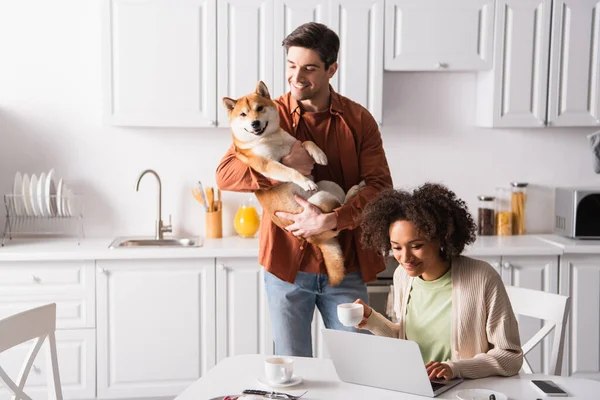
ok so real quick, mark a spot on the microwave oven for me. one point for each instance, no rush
(577, 212)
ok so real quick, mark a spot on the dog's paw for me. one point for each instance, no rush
(308, 185)
(320, 158)
(354, 190)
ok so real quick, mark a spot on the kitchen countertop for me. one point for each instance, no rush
(572, 246)
(97, 248)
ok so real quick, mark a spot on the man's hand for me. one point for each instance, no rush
(437, 370)
(311, 221)
(299, 159)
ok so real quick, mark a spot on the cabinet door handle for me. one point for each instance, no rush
(541, 122)
(36, 369)
(506, 265)
(103, 271)
(223, 267)
(441, 65)
(36, 278)
(496, 265)
(213, 123)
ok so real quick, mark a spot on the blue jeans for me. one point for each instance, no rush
(291, 308)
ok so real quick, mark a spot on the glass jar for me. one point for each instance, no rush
(485, 215)
(247, 220)
(518, 202)
(504, 216)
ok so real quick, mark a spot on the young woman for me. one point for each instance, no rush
(456, 308)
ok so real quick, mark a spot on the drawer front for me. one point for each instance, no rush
(33, 277)
(69, 284)
(76, 351)
(73, 312)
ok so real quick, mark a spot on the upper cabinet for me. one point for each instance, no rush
(546, 66)
(359, 24)
(432, 35)
(574, 89)
(159, 62)
(245, 43)
(169, 63)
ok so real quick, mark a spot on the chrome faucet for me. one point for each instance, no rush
(160, 228)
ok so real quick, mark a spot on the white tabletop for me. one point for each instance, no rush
(234, 374)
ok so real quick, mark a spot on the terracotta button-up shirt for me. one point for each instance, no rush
(350, 138)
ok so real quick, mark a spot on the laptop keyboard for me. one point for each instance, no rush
(435, 386)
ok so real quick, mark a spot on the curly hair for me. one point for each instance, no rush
(435, 211)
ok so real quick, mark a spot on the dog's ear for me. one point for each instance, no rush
(261, 90)
(229, 103)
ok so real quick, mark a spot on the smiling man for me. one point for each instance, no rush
(296, 279)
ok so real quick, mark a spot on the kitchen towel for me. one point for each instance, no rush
(594, 139)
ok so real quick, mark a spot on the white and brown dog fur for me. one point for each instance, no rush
(260, 143)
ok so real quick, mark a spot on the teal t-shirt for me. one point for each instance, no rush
(429, 317)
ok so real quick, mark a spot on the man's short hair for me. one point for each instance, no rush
(317, 37)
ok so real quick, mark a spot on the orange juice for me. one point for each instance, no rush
(246, 221)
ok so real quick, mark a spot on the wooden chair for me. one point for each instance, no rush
(554, 310)
(37, 323)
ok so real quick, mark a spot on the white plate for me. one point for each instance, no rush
(25, 192)
(18, 206)
(50, 193)
(59, 195)
(67, 199)
(33, 184)
(296, 380)
(41, 195)
(479, 394)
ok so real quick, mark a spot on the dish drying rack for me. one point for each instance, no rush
(44, 218)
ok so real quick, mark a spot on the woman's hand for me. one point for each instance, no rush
(437, 370)
(366, 312)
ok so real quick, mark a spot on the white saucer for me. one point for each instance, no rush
(479, 394)
(296, 380)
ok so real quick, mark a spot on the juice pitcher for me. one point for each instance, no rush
(247, 220)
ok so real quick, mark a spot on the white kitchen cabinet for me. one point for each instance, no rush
(70, 284)
(580, 279)
(76, 350)
(494, 261)
(245, 49)
(359, 24)
(538, 273)
(514, 93)
(242, 316)
(574, 89)
(438, 35)
(290, 14)
(156, 325)
(546, 69)
(160, 62)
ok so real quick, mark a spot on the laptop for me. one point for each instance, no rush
(382, 362)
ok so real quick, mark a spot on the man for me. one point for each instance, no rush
(296, 278)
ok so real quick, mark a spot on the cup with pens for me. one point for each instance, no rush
(213, 208)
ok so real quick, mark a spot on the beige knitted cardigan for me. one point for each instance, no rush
(485, 336)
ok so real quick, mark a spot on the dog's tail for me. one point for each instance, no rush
(334, 260)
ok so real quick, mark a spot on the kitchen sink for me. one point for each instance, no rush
(153, 242)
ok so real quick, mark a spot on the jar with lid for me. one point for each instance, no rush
(518, 202)
(504, 218)
(486, 215)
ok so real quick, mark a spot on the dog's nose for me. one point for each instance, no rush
(256, 124)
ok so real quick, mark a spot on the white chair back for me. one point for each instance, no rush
(38, 323)
(553, 309)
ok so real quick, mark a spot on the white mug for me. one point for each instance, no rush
(350, 314)
(279, 369)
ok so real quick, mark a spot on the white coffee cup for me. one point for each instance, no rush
(279, 369)
(350, 314)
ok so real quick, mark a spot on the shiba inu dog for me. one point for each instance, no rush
(260, 143)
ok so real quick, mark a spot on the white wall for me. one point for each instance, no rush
(51, 117)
